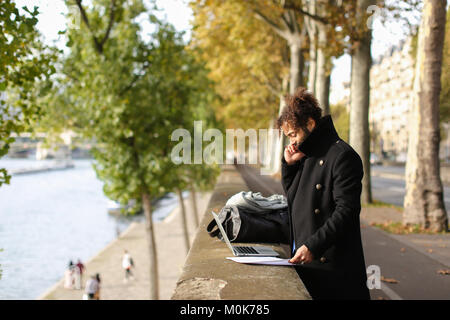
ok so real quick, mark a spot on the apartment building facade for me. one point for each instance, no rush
(391, 94)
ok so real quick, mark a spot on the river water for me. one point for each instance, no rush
(49, 218)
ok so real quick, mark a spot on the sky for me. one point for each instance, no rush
(52, 16)
(177, 12)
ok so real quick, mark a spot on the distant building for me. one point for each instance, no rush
(341, 94)
(391, 93)
(391, 98)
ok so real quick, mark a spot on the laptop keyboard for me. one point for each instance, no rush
(245, 250)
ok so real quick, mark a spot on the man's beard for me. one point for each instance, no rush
(306, 134)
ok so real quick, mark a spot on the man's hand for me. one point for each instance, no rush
(302, 255)
(292, 154)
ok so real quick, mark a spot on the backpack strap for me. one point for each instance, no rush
(210, 227)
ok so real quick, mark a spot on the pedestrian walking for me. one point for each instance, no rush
(97, 293)
(92, 286)
(68, 276)
(79, 270)
(127, 264)
(76, 278)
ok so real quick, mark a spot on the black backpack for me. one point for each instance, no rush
(240, 225)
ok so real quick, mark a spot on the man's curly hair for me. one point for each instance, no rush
(299, 108)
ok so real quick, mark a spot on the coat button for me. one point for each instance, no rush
(320, 162)
(323, 259)
(317, 211)
(318, 186)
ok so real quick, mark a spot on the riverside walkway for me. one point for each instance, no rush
(108, 262)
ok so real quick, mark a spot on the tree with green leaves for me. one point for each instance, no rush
(129, 95)
(26, 66)
(199, 96)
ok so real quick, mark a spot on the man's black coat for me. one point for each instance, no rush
(323, 191)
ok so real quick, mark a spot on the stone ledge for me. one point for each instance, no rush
(207, 275)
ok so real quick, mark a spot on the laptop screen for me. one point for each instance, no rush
(222, 231)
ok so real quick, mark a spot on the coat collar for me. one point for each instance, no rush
(321, 137)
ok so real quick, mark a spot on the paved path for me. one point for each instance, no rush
(413, 260)
(416, 273)
(171, 256)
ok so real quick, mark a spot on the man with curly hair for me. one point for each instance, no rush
(321, 176)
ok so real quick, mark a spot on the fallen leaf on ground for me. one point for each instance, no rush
(444, 271)
(430, 250)
(402, 249)
(389, 280)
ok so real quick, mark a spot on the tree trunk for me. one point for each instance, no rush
(193, 196)
(423, 201)
(154, 278)
(294, 37)
(271, 143)
(320, 64)
(323, 72)
(312, 71)
(311, 27)
(359, 102)
(282, 141)
(301, 70)
(295, 67)
(184, 220)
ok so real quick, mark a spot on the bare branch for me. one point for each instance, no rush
(85, 18)
(272, 24)
(135, 79)
(110, 23)
(285, 19)
(294, 22)
(310, 23)
(306, 13)
(99, 44)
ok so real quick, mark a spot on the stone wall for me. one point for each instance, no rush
(208, 275)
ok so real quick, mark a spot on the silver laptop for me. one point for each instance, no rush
(240, 251)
